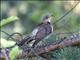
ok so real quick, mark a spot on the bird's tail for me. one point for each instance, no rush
(24, 40)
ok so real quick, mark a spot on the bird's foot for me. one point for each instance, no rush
(33, 50)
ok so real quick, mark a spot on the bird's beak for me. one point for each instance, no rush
(51, 17)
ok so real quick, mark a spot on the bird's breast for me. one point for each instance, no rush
(49, 29)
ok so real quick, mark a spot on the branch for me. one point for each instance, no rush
(72, 41)
(4, 54)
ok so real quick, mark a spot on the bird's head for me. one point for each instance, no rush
(47, 18)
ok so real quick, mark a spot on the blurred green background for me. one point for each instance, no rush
(30, 14)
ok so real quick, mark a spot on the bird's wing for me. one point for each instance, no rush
(34, 32)
(38, 29)
(41, 31)
(44, 31)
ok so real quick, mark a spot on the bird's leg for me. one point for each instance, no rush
(31, 48)
(35, 43)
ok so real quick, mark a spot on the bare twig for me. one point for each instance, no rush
(67, 13)
(3, 54)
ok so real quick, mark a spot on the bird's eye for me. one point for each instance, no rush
(46, 17)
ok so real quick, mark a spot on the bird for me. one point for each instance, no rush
(41, 31)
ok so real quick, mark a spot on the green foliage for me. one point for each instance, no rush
(4, 42)
(14, 52)
(30, 14)
(69, 53)
(8, 20)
